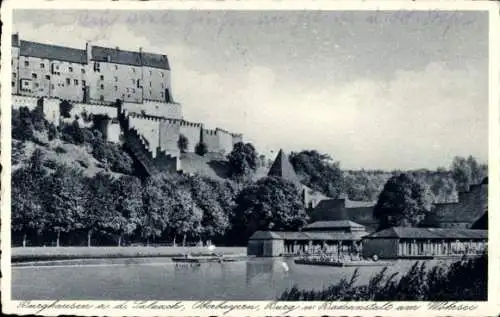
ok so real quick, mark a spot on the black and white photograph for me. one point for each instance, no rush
(279, 155)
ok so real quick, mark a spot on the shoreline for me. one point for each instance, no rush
(37, 254)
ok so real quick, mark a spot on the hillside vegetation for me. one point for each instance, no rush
(72, 187)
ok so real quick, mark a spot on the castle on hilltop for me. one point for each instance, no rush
(132, 89)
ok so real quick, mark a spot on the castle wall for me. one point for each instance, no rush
(158, 109)
(79, 108)
(156, 84)
(169, 136)
(148, 128)
(51, 110)
(24, 101)
(114, 132)
(225, 140)
(237, 138)
(192, 131)
(210, 138)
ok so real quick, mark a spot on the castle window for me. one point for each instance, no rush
(161, 94)
(102, 77)
(101, 98)
(83, 70)
(116, 66)
(97, 67)
(84, 82)
(116, 88)
(150, 93)
(70, 69)
(149, 84)
(13, 75)
(133, 69)
(47, 77)
(68, 81)
(42, 65)
(13, 83)
(102, 86)
(76, 81)
(37, 85)
(133, 90)
(26, 63)
(116, 78)
(34, 76)
(162, 74)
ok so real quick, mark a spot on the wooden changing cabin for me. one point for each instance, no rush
(402, 242)
(331, 238)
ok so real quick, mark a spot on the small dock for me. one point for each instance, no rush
(343, 264)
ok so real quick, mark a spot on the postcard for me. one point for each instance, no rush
(250, 158)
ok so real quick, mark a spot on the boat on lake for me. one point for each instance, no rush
(206, 259)
(343, 263)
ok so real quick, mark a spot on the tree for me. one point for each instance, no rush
(183, 143)
(154, 220)
(100, 206)
(404, 201)
(318, 171)
(213, 199)
(129, 206)
(462, 173)
(28, 213)
(65, 200)
(201, 149)
(65, 109)
(73, 133)
(272, 203)
(242, 160)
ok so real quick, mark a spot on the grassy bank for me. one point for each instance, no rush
(66, 253)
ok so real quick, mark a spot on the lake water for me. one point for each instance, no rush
(161, 279)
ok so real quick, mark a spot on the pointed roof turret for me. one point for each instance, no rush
(283, 168)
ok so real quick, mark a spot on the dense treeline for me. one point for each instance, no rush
(322, 173)
(61, 206)
(418, 284)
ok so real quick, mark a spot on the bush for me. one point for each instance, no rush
(65, 109)
(183, 143)
(418, 284)
(60, 150)
(72, 133)
(201, 149)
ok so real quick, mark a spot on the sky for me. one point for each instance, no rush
(374, 90)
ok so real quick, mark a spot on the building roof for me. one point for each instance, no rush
(332, 224)
(98, 53)
(52, 52)
(470, 207)
(155, 60)
(481, 223)
(119, 56)
(306, 236)
(429, 233)
(115, 55)
(283, 168)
